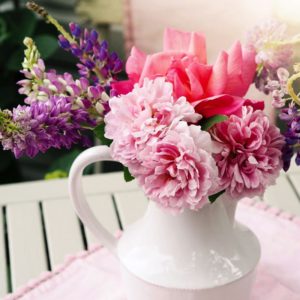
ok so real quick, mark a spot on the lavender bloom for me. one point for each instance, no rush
(291, 116)
(28, 130)
(40, 85)
(272, 51)
(96, 62)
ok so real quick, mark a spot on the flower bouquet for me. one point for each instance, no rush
(184, 129)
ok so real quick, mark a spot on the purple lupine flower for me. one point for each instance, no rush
(96, 62)
(41, 85)
(291, 117)
(40, 126)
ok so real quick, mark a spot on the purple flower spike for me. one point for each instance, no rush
(75, 30)
(63, 42)
(96, 62)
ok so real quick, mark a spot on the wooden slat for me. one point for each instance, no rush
(103, 208)
(283, 196)
(131, 206)
(58, 188)
(62, 229)
(26, 244)
(3, 263)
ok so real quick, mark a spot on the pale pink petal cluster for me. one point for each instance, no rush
(251, 155)
(153, 134)
(140, 117)
(266, 39)
(180, 170)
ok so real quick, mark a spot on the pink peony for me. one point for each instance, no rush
(183, 63)
(138, 119)
(251, 155)
(180, 170)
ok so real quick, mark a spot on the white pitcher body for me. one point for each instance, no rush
(199, 255)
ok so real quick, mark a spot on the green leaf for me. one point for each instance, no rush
(56, 174)
(214, 197)
(127, 176)
(99, 133)
(46, 44)
(21, 23)
(3, 31)
(64, 163)
(206, 124)
(14, 62)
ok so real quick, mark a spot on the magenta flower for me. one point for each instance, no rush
(251, 155)
(178, 170)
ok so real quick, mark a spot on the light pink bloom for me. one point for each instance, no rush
(251, 155)
(180, 170)
(138, 119)
(183, 63)
(261, 39)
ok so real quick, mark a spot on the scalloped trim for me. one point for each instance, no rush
(64, 269)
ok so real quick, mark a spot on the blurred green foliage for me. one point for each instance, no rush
(15, 24)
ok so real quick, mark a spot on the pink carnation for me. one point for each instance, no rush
(138, 119)
(180, 170)
(251, 155)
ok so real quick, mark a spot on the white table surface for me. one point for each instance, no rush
(38, 227)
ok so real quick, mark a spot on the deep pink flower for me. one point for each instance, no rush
(138, 119)
(179, 170)
(251, 155)
(183, 63)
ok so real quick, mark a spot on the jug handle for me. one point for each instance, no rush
(82, 208)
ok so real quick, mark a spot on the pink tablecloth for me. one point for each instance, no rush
(94, 274)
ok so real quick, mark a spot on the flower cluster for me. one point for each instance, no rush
(183, 127)
(250, 159)
(274, 55)
(272, 52)
(170, 159)
(94, 56)
(36, 128)
(157, 125)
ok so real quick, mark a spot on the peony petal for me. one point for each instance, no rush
(241, 70)
(158, 64)
(122, 87)
(135, 63)
(219, 105)
(218, 79)
(187, 42)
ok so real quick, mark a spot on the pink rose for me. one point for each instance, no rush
(183, 63)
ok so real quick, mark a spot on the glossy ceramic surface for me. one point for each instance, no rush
(194, 255)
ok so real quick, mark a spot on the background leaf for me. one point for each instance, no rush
(99, 133)
(46, 44)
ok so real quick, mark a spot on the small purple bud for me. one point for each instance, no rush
(113, 56)
(89, 64)
(104, 44)
(87, 103)
(75, 29)
(105, 72)
(118, 66)
(94, 35)
(76, 51)
(63, 42)
(103, 55)
(88, 46)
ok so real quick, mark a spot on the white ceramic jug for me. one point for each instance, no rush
(196, 255)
